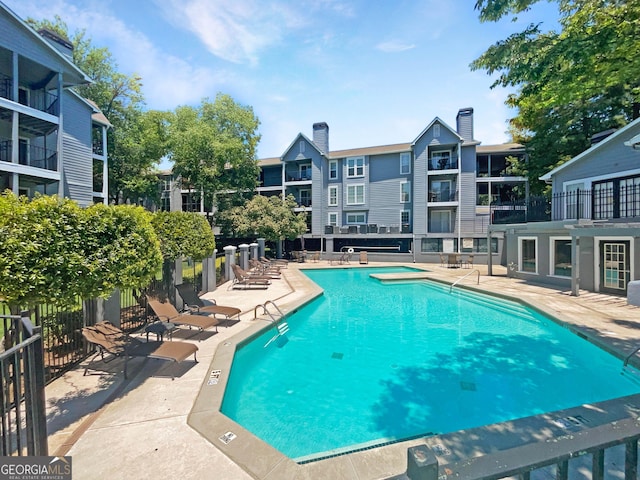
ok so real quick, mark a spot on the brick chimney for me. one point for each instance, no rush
(321, 136)
(464, 123)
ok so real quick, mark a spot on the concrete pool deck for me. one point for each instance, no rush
(140, 427)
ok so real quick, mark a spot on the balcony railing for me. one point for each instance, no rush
(6, 85)
(443, 196)
(366, 229)
(297, 177)
(598, 204)
(30, 155)
(443, 163)
(304, 202)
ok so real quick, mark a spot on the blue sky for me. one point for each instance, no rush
(376, 71)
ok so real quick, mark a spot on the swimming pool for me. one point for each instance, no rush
(369, 362)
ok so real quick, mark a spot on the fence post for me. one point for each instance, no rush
(254, 250)
(229, 259)
(35, 402)
(244, 256)
(209, 273)
(422, 464)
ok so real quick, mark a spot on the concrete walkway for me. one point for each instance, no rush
(137, 428)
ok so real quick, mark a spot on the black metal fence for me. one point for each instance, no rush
(22, 409)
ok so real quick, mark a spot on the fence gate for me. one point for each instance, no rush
(22, 409)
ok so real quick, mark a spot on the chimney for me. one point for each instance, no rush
(464, 123)
(61, 44)
(321, 136)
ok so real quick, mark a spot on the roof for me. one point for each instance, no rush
(594, 148)
(98, 116)
(379, 150)
(439, 120)
(267, 162)
(82, 77)
(499, 148)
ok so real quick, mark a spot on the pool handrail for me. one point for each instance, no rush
(463, 277)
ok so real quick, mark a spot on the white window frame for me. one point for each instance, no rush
(351, 220)
(408, 212)
(302, 146)
(402, 192)
(333, 169)
(355, 167)
(332, 188)
(520, 259)
(355, 187)
(332, 219)
(552, 256)
(407, 156)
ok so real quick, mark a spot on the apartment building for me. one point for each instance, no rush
(51, 139)
(411, 200)
(592, 241)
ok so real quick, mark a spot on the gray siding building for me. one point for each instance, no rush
(407, 201)
(50, 137)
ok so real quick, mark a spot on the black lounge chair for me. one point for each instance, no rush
(194, 304)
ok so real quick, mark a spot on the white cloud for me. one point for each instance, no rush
(234, 31)
(394, 46)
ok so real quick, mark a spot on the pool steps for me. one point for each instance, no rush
(277, 318)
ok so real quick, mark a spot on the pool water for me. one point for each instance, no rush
(370, 362)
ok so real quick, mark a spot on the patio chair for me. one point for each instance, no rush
(278, 262)
(468, 262)
(166, 312)
(244, 281)
(258, 268)
(107, 339)
(194, 304)
(443, 260)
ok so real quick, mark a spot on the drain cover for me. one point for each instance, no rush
(469, 386)
(337, 355)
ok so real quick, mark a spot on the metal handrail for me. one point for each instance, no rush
(465, 276)
(628, 357)
(266, 311)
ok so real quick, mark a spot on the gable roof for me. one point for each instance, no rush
(296, 140)
(439, 120)
(627, 129)
(80, 76)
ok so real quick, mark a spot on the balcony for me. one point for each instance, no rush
(30, 155)
(6, 85)
(443, 163)
(297, 176)
(435, 196)
(367, 229)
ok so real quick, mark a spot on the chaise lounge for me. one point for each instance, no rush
(168, 313)
(243, 280)
(108, 339)
(194, 304)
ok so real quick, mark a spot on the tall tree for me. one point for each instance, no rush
(213, 148)
(569, 84)
(270, 217)
(137, 142)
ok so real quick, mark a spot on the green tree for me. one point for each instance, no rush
(270, 217)
(183, 235)
(213, 148)
(52, 251)
(569, 84)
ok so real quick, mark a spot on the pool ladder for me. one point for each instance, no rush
(277, 318)
(463, 277)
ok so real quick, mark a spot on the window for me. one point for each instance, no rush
(333, 196)
(302, 146)
(305, 198)
(355, 167)
(405, 217)
(441, 191)
(305, 172)
(405, 163)
(333, 219)
(359, 218)
(436, 130)
(527, 255)
(441, 160)
(430, 245)
(23, 151)
(355, 194)
(333, 169)
(405, 192)
(561, 256)
(440, 221)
